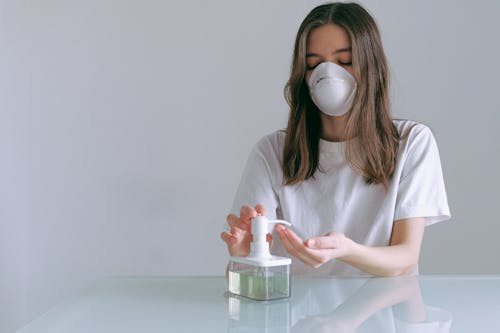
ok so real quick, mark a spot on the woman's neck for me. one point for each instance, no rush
(333, 128)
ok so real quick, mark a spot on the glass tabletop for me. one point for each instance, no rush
(202, 304)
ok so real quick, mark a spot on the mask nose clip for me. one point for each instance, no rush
(320, 79)
(330, 78)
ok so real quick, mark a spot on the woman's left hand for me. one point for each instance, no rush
(315, 251)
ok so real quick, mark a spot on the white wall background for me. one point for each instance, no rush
(125, 125)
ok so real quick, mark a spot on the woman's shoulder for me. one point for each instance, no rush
(269, 150)
(416, 137)
(411, 130)
(271, 143)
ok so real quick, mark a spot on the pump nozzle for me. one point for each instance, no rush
(260, 228)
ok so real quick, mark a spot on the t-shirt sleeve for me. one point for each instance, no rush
(256, 184)
(421, 191)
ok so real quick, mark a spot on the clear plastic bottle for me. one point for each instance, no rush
(260, 276)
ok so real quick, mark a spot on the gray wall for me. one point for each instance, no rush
(125, 125)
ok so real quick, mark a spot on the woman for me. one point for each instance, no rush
(357, 186)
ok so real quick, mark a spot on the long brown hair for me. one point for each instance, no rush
(373, 151)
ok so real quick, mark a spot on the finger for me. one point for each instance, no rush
(285, 242)
(229, 239)
(327, 247)
(232, 220)
(269, 238)
(293, 237)
(236, 247)
(294, 245)
(315, 257)
(235, 221)
(260, 210)
(240, 234)
(297, 243)
(325, 242)
(247, 213)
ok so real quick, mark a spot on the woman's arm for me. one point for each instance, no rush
(399, 258)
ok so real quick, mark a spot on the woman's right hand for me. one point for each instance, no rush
(239, 237)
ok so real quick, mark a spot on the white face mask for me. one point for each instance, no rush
(332, 88)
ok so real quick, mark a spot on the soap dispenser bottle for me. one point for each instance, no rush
(260, 276)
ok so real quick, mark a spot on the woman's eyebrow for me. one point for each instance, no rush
(347, 49)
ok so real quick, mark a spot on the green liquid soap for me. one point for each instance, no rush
(259, 285)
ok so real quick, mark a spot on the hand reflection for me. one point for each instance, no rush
(321, 324)
(375, 295)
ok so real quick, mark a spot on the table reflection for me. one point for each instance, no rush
(341, 305)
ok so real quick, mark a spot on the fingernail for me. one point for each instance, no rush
(310, 243)
(279, 227)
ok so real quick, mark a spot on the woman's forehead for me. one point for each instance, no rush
(328, 38)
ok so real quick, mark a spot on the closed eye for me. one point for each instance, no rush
(310, 68)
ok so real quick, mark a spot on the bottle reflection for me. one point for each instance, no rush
(342, 305)
(246, 315)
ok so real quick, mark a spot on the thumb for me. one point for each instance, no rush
(325, 242)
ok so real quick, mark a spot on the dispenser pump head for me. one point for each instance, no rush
(259, 248)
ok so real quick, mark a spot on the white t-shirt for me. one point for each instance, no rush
(337, 197)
